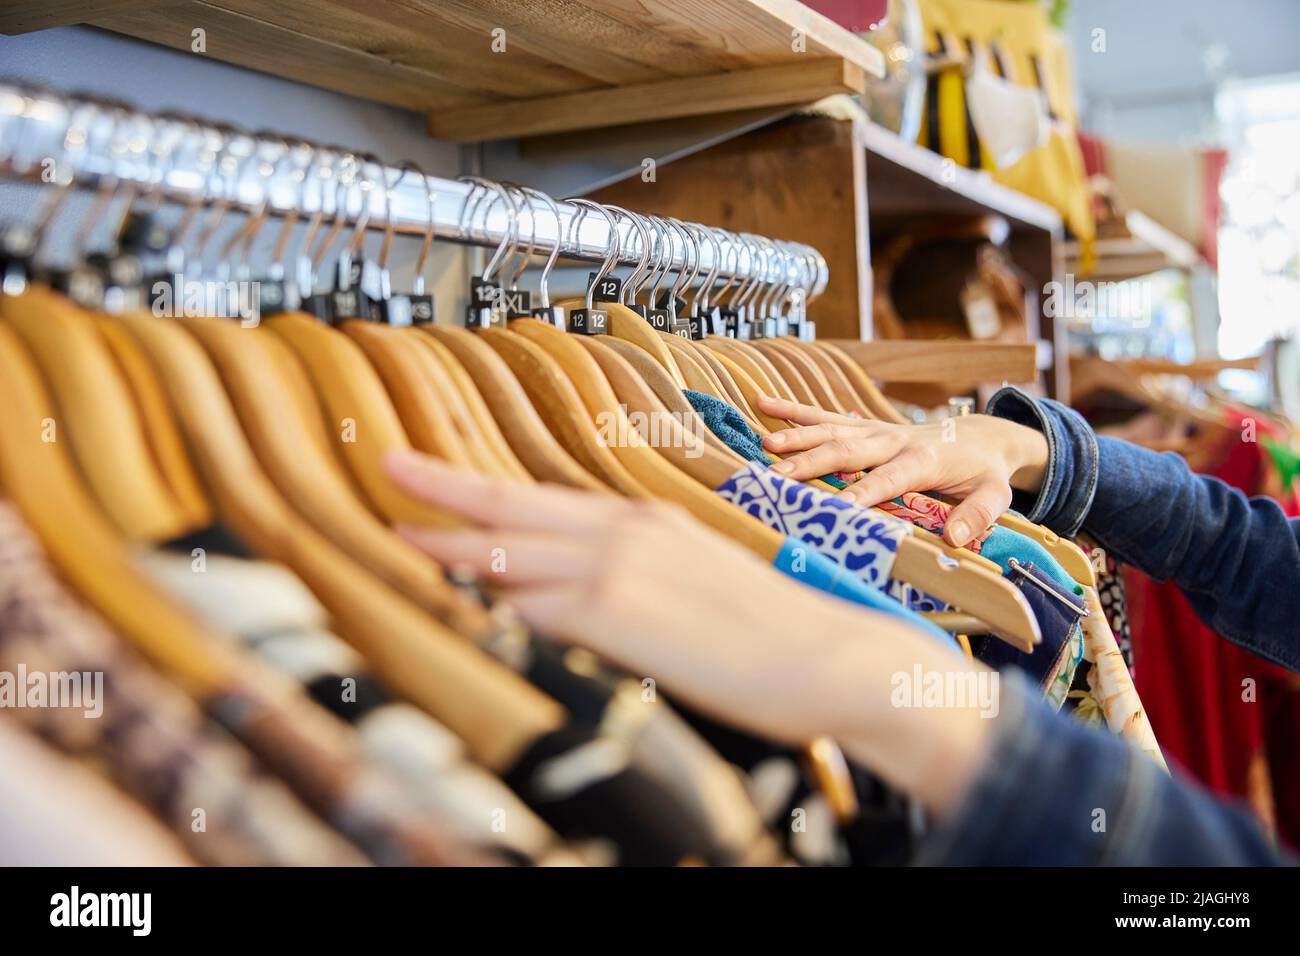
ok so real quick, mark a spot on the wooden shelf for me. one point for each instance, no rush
(908, 180)
(566, 64)
(1149, 247)
(952, 362)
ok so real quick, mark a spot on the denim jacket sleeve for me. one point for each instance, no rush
(1055, 792)
(1237, 559)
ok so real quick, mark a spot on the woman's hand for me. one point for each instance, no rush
(976, 458)
(647, 587)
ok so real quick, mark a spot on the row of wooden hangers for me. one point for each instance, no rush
(122, 430)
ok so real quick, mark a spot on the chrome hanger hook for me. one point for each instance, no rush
(611, 242)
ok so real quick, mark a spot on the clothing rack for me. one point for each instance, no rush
(88, 142)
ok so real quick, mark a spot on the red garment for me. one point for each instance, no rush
(1192, 683)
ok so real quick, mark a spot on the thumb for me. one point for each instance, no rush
(977, 512)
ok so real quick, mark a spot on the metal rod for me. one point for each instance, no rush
(187, 159)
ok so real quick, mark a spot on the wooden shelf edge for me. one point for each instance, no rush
(950, 361)
(669, 99)
(944, 175)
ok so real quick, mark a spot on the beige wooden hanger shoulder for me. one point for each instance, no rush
(363, 422)
(844, 392)
(96, 415)
(627, 325)
(872, 396)
(792, 377)
(558, 402)
(38, 476)
(467, 404)
(496, 713)
(662, 384)
(658, 475)
(817, 382)
(662, 430)
(412, 389)
(751, 361)
(512, 409)
(251, 365)
(165, 439)
(751, 391)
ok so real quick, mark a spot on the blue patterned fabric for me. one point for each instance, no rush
(800, 561)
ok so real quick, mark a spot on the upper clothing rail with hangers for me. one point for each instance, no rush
(48, 137)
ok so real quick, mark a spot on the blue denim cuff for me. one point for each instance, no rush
(1070, 479)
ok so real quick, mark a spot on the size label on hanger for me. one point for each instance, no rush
(517, 303)
(589, 321)
(660, 319)
(422, 311)
(609, 289)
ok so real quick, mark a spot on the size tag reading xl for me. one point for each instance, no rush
(518, 303)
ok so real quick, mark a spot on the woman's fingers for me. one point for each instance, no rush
(510, 557)
(976, 512)
(801, 414)
(838, 454)
(889, 480)
(809, 436)
(495, 503)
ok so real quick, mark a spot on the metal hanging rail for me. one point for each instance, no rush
(49, 137)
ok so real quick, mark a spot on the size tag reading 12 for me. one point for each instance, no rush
(588, 321)
(609, 289)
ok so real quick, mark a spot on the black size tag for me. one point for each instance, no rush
(681, 325)
(607, 290)
(667, 301)
(143, 234)
(422, 311)
(319, 304)
(273, 297)
(483, 295)
(518, 303)
(348, 304)
(640, 310)
(660, 319)
(588, 321)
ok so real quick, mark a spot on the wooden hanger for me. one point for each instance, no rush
(793, 379)
(844, 392)
(871, 396)
(252, 366)
(555, 398)
(659, 476)
(165, 439)
(750, 362)
(685, 448)
(408, 376)
(492, 709)
(818, 383)
(749, 389)
(96, 414)
(362, 419)
(662, 384)
(626, 325)
(40, 479)
(512, 410)
(472, 405)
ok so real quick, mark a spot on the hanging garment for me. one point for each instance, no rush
(277, 617)
(56, 812)
(149, 736)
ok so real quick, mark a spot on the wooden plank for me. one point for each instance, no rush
(260, 46)
(746, 33)
(28, 16)
(950, 362)
(582, 36)
(799, 179)
(394, 32)
(768, 86)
